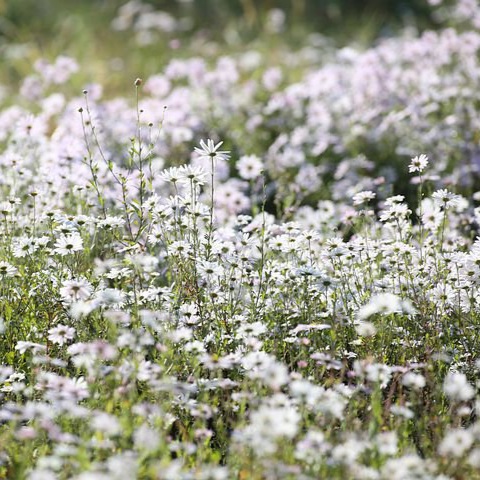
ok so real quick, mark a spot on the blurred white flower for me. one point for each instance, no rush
(249, 167)
(7, 270)
(76, 290)
(457, 388)
(385, 304)
(363, 197)
(61, 334)
(455, 443)
(414, 380)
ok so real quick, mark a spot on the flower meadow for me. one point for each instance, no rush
(246, 269)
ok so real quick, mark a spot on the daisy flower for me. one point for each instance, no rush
(67, 244)
(418, 164)
(363, 197)
(75, 290)
(111, 222)
(457, 388)
(209, 151)
(171, 175)
(7, 270)
(208, 269)
(445, 199)
(24, 246)
(61, 334)
(249, 167)
(195, 174)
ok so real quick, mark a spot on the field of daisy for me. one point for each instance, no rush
(249, 252)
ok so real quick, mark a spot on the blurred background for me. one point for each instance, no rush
(112, 39)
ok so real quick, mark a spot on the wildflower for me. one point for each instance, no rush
(67, 244)
(402, 411)
(106, 423)
(408, 467)
(418, 164)
(155, 236)
(180, 334)
(312, 446)
(457, 388)
(194, 174)
(256, 361)
(249, 167)
(396, 212)
(365, 329)
(122, 465)
(211, 151)
(82, 309)
(70, 389)
(444, 198)
(24, 246)
(42, 474)
(254, 329)
(75, 290)
(414, 380)
(111, 222)
(196, 347)
(386, 443)
(276, 375)
(146, 438)
(23, 346)
(179, 248)
(455, 443)
(474, 458)
(347, 453)
(61, 334)
(395, 199)
(6, 208)
(363, 197)
(386, 304)
(111, 297)
(432, 215)
(279, 421)
(7, 270)
(231, 199)
(308, 179)
(172, 175)
(209, 269)
(378, 372)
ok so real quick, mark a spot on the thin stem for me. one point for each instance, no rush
(210, 228)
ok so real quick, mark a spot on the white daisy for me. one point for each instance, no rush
(67, 244)
(211, 151)
(418, 164)
(61, 334)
